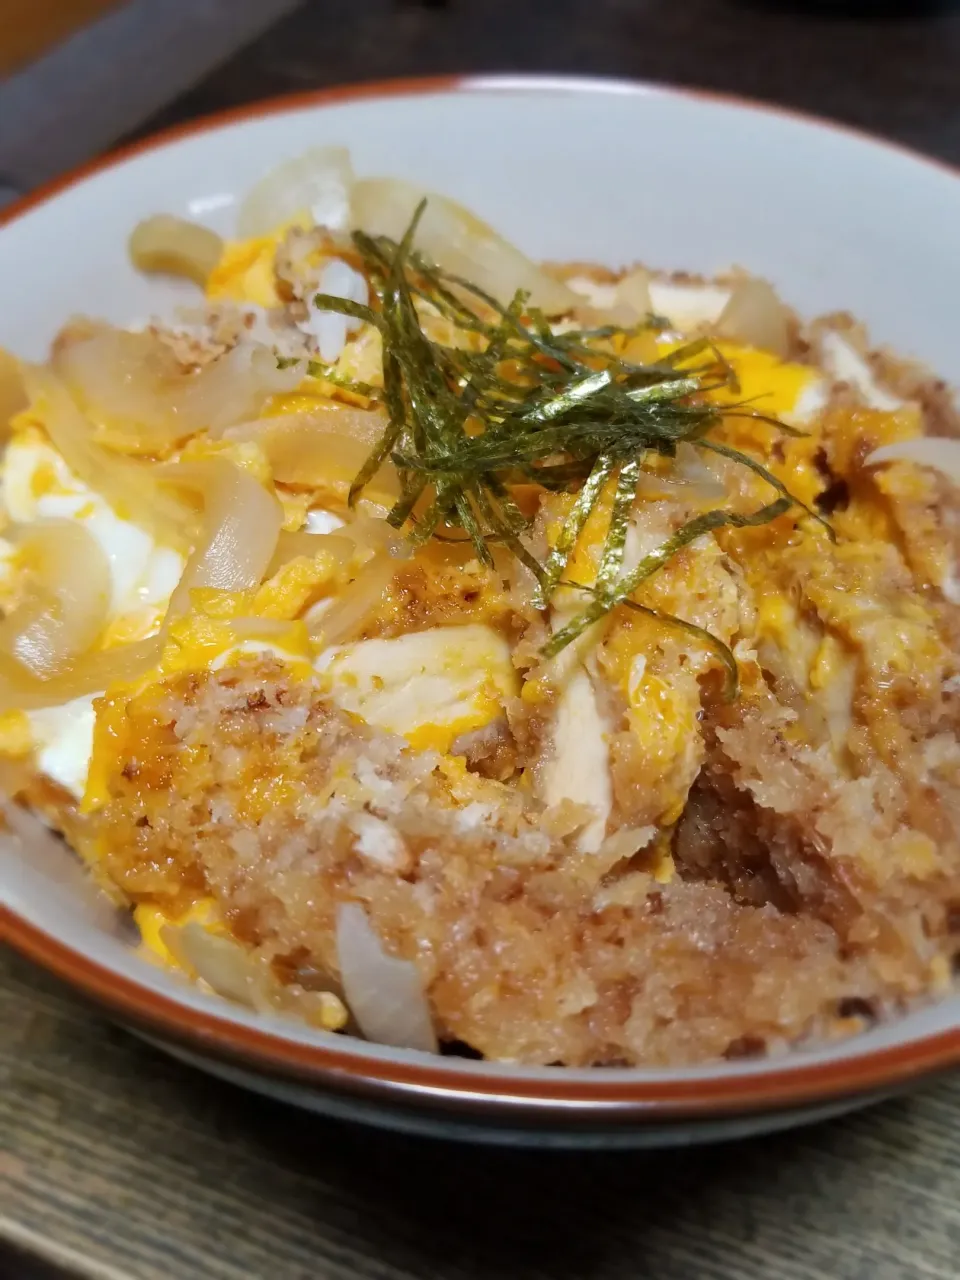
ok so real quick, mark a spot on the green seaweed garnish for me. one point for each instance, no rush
(329, 373)
(607, 599)
(719, 647)
(513, 401)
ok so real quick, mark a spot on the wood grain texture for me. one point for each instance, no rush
(145, 1170)
(119, 1164)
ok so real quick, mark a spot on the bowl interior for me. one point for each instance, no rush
(611, 174)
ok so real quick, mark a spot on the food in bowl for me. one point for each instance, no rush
(547, 662)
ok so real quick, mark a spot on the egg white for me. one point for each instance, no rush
(37, 484)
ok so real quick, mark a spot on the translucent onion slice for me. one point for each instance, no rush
(458, 241)
(363, 532)
(13, 393)
(756, 317)
(355, 605)
(376, 535)
(620, 314)
(938, 452)
(845, 363)
(691, 470)
(172, 246)
(316, 184)
(66, 603)
(221, 962)
(131, 488)
(241, 524)
(633, 291)
(21, 691)
(233, 972)
(689, 478)
(133, 385)
(323, 448)
(342, 619)
(292, 545)
(235, 387)
(385, 995)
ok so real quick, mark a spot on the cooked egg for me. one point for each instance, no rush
(429, 686)
(37, 484)
(63, 741)
(795, 393)
(289, 653)
(245, 272)
(663, 720)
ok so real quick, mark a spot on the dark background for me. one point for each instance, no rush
(893, 68)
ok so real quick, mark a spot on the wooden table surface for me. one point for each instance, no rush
(31, 27)
(118, 1164)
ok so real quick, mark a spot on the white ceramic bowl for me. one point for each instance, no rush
(598, 170)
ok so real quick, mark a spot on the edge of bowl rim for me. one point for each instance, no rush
(786, 1085)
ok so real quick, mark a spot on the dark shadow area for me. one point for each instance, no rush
(859, 10)
(892, 70)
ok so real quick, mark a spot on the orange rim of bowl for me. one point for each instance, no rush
(421, 1083)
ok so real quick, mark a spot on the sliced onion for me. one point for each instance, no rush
(689, 478)
(241, 524)
(620, 315)
(171, 246)
(323, 448)
(13, 393)
(126, 381)
(755, 316)
(341, 619)
(130, 487)
(687, 304)
(846, 364)
(221, 962)
(691, 470)
(376, 535)
(384, 994)
(67, 600)
(233, 972)
(235, 387)
(316, 184)
(290, 546)
(365, 426)
(633, 290)
(458, 241)
(133, 385)
(938, 452)
(355, 605)
(21, 691)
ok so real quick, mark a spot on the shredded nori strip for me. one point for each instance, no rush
(560, 409)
